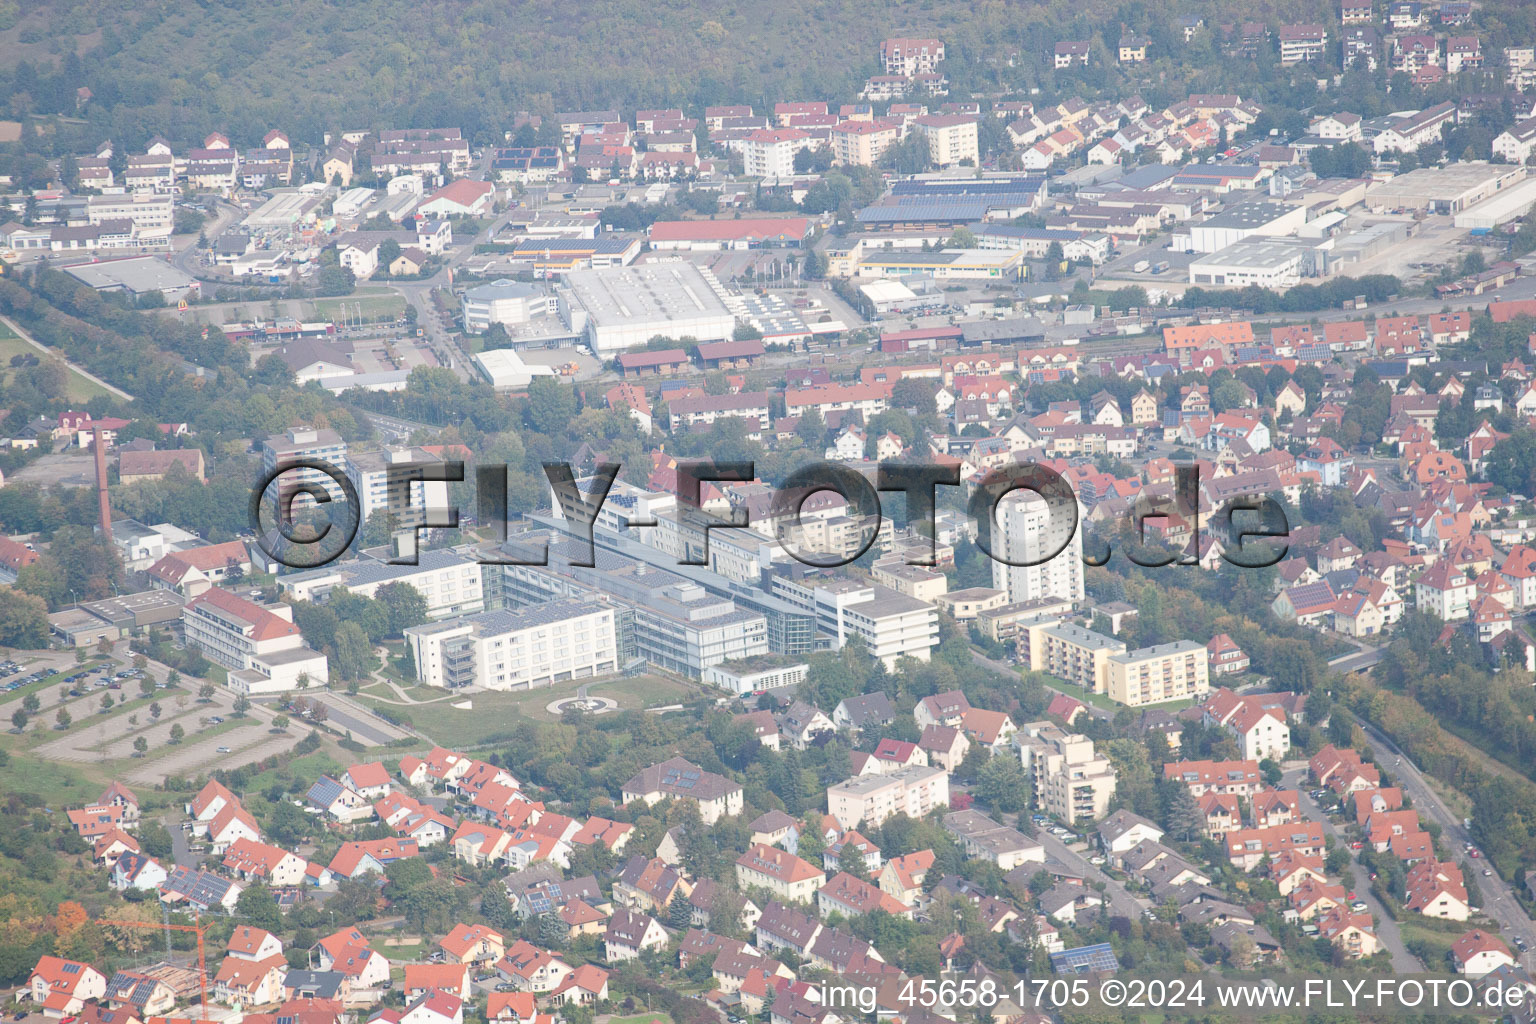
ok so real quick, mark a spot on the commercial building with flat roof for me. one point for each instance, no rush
(1266, 262)
(620, 308)
(1260, 217)
(947, 264)
(1448, 189)
(503, 301)
(137, 275)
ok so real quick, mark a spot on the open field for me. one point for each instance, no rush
(81, 388)
(373, 307)
(495, 713)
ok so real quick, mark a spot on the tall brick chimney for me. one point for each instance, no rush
(99, 447)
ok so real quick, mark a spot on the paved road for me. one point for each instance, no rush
(1358, 661)
(1498, 901)
(1359, 879)
(347, 715)
(1121, 902)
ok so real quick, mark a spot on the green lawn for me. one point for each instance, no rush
(496, 713)
(81, 389)
(308, 767)
(374, 307)
(59, 785)
(642, 1018)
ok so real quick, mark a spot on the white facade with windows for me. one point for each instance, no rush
(1022, 533)
(449, 582)
(535, 646)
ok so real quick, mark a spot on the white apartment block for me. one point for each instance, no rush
(533, 646)
(891, 624)
(951, 138)
(770, 152)
(305, 443)
(1518, 143)
(1164, 672)
(409, 500)
(450, 583)
(1020, 535)
(908, 57)
(870, 799)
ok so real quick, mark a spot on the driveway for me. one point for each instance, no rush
(1121, 902)
(347, 715)
(1359, 879)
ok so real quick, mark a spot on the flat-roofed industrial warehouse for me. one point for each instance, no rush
(1448, 189)
(137, 275)
(620, 308)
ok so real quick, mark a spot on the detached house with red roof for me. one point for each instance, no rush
(347, 952)
(252, 860)
(434, 1008)
(62, 987)
(530, 969)
(1258, 722)
(453, 979)
(358, 858)
(473, 945)
(587, 985)
(1478, 953)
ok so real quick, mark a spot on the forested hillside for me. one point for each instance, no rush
(182, 68)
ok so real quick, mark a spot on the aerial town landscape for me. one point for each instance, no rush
(1189, 361)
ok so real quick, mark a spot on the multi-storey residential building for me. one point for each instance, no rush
(780, 872)
(406, 499)
(863, 143)
(870, 799)
(769, 153)
(1071, 780)
(261, 646)
(1070, 652)
(534, 646)
(908, 57)
(717, 797)
(1302, 44)
(305, 443)
(1174, 671)
(1232, 778)
(1025, 533)
(1517, 143)
(951, 138)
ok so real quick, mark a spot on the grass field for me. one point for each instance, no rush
(373, 307)
(642, 1018)
(496, 713)
(59, 785)
(81, 389)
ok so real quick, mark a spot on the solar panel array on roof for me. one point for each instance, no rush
(1085, 959)
(1025, 185)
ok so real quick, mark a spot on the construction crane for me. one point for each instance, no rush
(195, 928)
